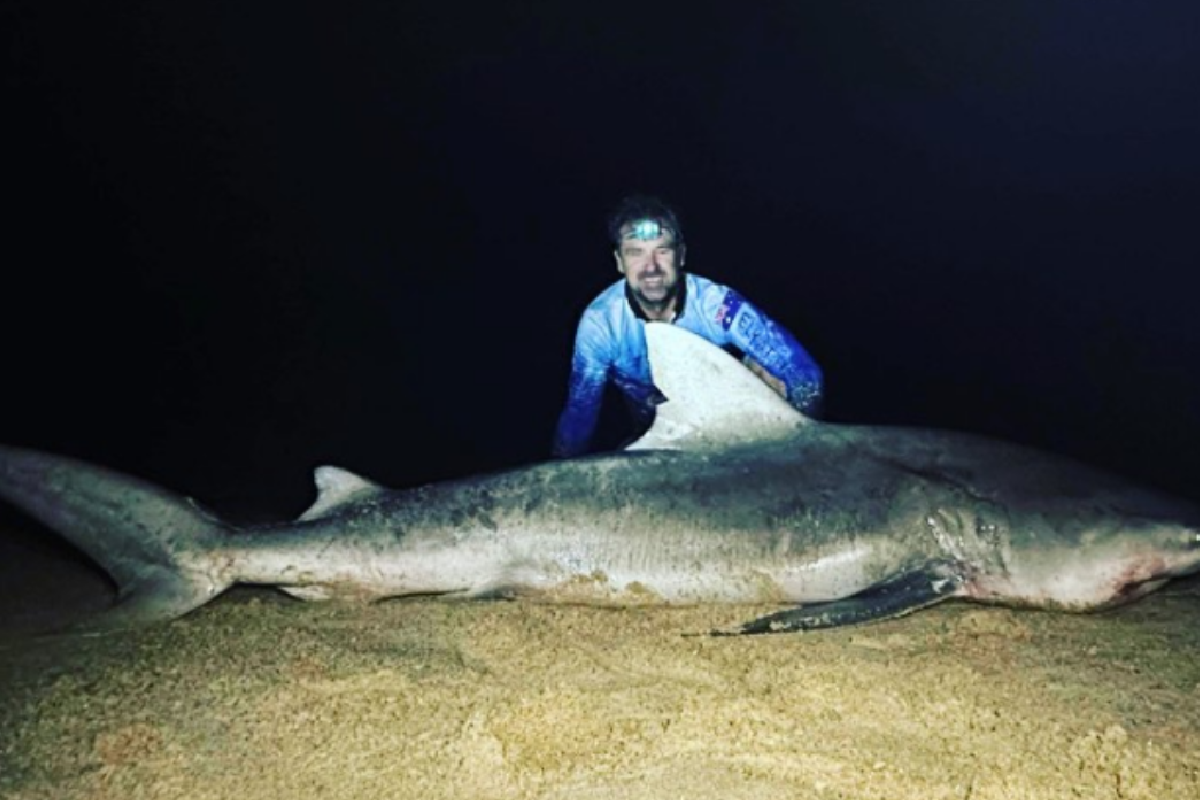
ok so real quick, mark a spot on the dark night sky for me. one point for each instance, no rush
(247, 238)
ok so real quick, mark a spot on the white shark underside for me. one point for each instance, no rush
(732, 496)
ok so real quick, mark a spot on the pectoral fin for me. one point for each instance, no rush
(894, 597)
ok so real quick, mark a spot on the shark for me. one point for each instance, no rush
(732, 496)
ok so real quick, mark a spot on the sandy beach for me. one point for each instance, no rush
(260, 696)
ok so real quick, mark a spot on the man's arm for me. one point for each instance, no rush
(775, 350)
(589, 373)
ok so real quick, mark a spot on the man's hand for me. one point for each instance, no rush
(778, 386)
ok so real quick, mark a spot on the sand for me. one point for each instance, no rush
(260, 696)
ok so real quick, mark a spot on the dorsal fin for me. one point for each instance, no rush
(712, 399)
(335, 487)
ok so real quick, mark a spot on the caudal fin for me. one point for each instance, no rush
(155, 544)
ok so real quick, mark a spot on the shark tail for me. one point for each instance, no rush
(156, 545)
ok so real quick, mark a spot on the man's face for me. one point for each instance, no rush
(649, 265)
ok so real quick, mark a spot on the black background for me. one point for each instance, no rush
(247, 238)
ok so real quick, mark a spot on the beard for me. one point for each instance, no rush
(656, 296)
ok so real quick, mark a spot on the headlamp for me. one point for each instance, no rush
(644, 230)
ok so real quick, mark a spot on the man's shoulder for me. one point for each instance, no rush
(708, 298)
(706, 289)
(605, 321)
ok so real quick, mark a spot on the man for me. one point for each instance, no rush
(610, 342)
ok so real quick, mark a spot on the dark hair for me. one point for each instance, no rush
(638, 206)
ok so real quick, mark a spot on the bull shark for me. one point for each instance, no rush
(732, 496)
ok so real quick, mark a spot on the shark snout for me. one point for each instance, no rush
(1179, 550)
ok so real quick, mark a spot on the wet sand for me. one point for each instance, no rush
(260, 696)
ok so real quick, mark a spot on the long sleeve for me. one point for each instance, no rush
(774, 347)
(589, 373)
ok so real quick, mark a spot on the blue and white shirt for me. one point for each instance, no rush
(611, 344)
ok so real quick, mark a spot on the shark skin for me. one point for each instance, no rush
(731, 497)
